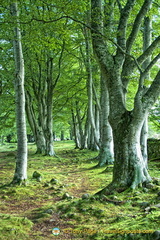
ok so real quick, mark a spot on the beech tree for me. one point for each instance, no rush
(118, 67)
(20, 174)
(43, 55)
(147, 36)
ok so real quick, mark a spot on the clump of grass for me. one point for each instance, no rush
(13, 227)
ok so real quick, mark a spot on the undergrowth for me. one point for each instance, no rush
(64, 198)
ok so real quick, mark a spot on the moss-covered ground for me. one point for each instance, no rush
(64, 198)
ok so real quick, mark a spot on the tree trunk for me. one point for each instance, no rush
(106, 155)
(62, 135)
(147, 36)
(75, 133)
(88, 65)
(20, 174)
(143, 140)
(35, 125)
(41, 88)
(80, 127)
(40, 141)
(129, 167)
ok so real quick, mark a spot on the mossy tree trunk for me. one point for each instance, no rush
(130, 169)
(147, 36)
(106, 154)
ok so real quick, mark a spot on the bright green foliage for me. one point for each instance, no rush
(46, 26)
(155, 118)
(7, 106)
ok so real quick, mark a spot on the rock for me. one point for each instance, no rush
(5, 197)
(149, 185)
(136, 194)
(100, 211)
(92, 198)
(145, 190)
(155, 235)
(148, 209)
(86, 196)
(115, 197)
(36, 174)
(144, 204)
(39, 179)
(102, 221)
(131, 236)
(83, 210)
(66, 196)
(54, 181)
(59, 190)
(156, 181)
(53, 220)
(49, 211)
(136, 198)
(157, 205)
(46, 185)
(71, 215)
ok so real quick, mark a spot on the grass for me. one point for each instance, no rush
(32, 211)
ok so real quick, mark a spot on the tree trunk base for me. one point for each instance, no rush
(111, 189)
(18, 182)
(119, 187)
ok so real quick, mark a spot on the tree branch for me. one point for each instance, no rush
(130, 64)
(152, 63)
(153, 92)
(59, 65)
(96, 97)
(148, 51)
(121, 31)
(144, 9)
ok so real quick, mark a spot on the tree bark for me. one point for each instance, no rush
(20, 174)
(41, 89)
(106, 154)
(88, 65)
(35, 125)
(129, 167)
(147, 36)
(82, 136)
(75, 133)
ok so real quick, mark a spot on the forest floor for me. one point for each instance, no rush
(64, 199)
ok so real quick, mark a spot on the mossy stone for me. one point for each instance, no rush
(49, 211)
(155, 235)
(53, 181)
(86, 196)
(144, 204)
(36, 174)
(66, 196)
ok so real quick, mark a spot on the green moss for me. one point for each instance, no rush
(12, 227)
(76, 176)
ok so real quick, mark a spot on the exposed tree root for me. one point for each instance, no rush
(18, 182)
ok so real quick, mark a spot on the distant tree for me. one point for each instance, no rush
(154, 117)
(43, 60)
